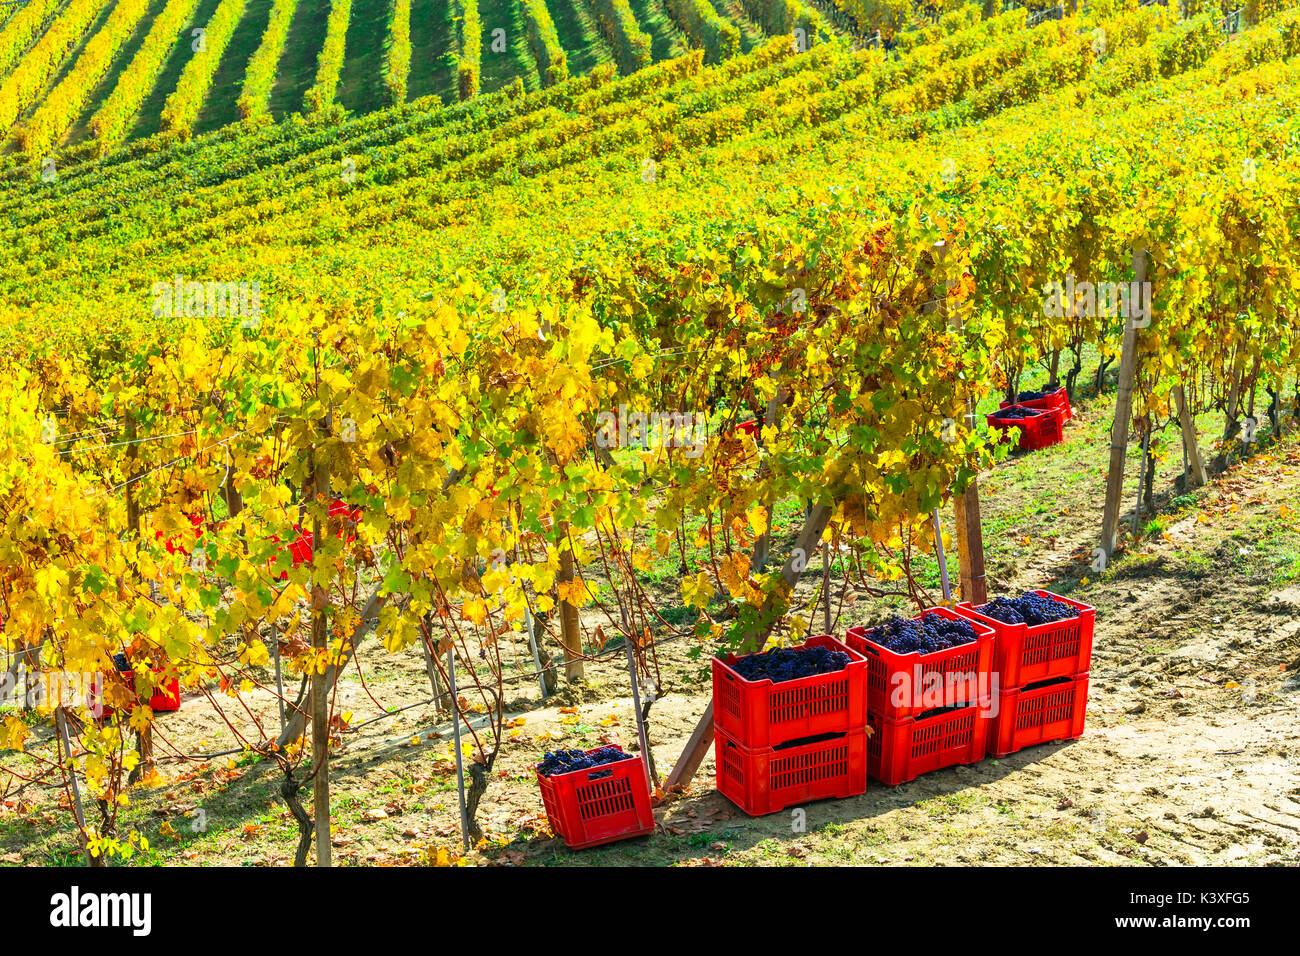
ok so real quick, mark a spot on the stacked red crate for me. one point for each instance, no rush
(1042, 676)
(779, 744)
(925, 711)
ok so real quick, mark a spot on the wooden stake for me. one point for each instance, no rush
(435, 685)
(528, 619)
(943, 560)
(652, 778)
(460, 769)
(970, 545)
(320, 725)
(1191, 445)
(826, 585)
(1142, 473)
(970, 535)
(570, 631)
(1123, 412)
(61, 719)
(279, 677)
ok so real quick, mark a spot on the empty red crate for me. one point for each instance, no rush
(1038, 714)
(902, 750)
(1037, 431)
(904, 685)
(763, 714)
(1024, 654)
(769, 779)
(599, 805)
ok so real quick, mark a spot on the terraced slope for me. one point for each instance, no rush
(111, 71)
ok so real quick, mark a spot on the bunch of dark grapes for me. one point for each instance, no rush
(121, 663)
(1015, 411)
(1030, 609)
(567, 761)
(788, 663)
(934, 632)
(1042, 392)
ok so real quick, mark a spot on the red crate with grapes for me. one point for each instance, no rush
(937, 659)
(166, 695)
(1057, 400)
(595, 796)
(1042, 655)
(1038, 636)
(763, 700)
(1039, 428)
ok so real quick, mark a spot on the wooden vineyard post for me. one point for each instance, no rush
(460, 766)
(641, 733)
(970, 533)
(970, 545)
(570, 631)
(320, 728)
(279, 673)
(528, 620)
(1191, 445)
(826, 584)
(61, 720)
(1142, 471)
(143, 738)
(942, 558)
(435, 685)
(1123, 412)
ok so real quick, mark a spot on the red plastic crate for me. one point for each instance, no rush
(1037, 715)
(769, 779)
(166, 697)
(599, 805)
(196, 522)
(902, 750)
(1046, 405)
(1058, 400)
(1037, 431)
(300, 549)
(1025, 654)
(904, 685)
(759, 714)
